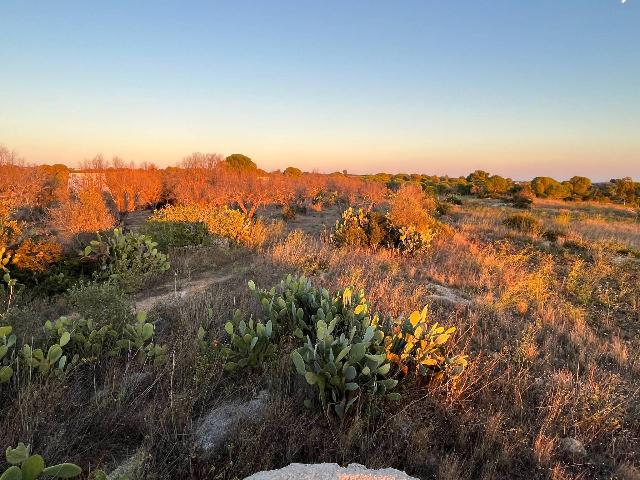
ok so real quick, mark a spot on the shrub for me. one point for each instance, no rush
(523, 222)
(220, 221)
(129, 259)
(176, 234)
(88, 213)
(523, 198)
(103, 302)
(36, 256)
(359, 229)
(346, 354)
(418, 348)
(351, 230)
(25, 466)
(413, 241)
(453, 200)
(410, 207)
(73, 340)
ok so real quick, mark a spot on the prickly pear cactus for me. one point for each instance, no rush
(7, 343)
(420, 348)
(251, 343)
(344, 366)
(24, 466)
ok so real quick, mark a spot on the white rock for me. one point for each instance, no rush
(216, 427)
(330, 471)
(573, 446)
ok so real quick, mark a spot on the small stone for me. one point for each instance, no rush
(573, 447)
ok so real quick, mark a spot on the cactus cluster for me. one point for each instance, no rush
(419, 348)
(24, 466)
(345, 365)
(128, 259)
(291, 306)
(7, 342)
(137, 338)
(343, 349)
(85, 342)
(74, 340)
(250, 345)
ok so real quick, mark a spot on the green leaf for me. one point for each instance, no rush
(5, 373)
(395, 396)
(351, 386)
(32, 467)
(357, 352)
(64, 339)
(350, 373)
(343, 353)
(12, 473)
(228, 327)
(17, 455)
(311, 378)
(63, 470)
(298, 362)
(54, 354)
(5, 331)
(147, 331)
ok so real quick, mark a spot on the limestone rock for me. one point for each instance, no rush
(573, 447)
(216, 427)
(330, 471)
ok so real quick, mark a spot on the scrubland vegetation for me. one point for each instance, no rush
(451, 328)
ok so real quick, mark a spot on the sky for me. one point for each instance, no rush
(516, 87)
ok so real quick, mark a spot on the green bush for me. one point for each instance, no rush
(103, 302)
(523, 222)
(129, 259)
(176, 234)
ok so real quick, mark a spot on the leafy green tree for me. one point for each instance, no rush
(580, 187)
(240, 162)
(292, 171)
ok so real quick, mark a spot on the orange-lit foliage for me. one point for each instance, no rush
(220, 221)
(20, 185)
(36, 256)
(133, 188)
(197, 180)
(409, 207)
(86, 213)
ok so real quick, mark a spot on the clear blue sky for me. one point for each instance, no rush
(517, 87)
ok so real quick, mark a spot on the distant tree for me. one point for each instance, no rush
(624, 190)
(292, 171)
(497, 185)
(580, 187)
(240, 162)
(547, 187)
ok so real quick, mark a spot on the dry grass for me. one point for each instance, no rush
(553, 331)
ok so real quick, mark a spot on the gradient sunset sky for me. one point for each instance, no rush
(515, 87)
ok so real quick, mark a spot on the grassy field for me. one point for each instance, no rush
(548, 313)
